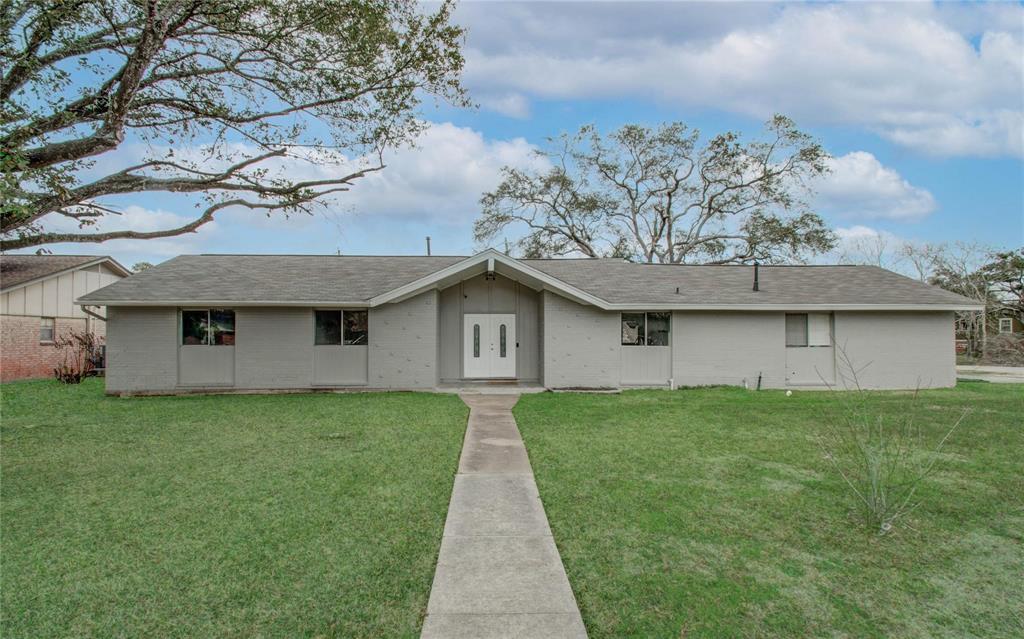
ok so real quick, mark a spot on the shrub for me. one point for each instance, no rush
(77, 348)
(881, 450)
(1006, 349)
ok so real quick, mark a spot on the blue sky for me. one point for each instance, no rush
(922, 106)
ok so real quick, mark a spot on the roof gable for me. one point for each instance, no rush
(20, 270)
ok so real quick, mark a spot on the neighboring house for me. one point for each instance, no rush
(1008, 324)
(37, 305)
(249, 322)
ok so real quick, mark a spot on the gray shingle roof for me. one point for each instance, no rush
(18, 269)
(270, 278)
(621, 282)
(354, 279)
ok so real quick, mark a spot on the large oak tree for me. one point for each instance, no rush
(215, 93)
(661, 194)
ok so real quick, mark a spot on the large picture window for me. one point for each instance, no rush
(646, 329)
(340, 327)
(208, 327)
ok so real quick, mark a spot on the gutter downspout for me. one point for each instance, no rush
(85, 309)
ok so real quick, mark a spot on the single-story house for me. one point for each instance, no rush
(268, 322)
(37, 307)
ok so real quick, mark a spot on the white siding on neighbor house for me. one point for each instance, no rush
(728, 348)
(896, 350)
(581, 345)
(142, 349)
(403, 343)
(54, 297)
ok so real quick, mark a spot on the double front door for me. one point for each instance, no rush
(489, 345)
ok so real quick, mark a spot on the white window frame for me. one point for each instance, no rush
(1008, 323)
(53, 330)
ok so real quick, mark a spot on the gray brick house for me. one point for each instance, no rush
(268, 322)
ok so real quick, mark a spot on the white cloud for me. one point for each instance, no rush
(860, 187)
(442, 178)
(513, 105)
(904, 71)
(865, 245)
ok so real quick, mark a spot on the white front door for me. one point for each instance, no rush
(489, 345)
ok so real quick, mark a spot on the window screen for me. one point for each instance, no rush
(194, 327)
(222, 325)
(46, 329)
(356, 333)
(633, 329)
(819, 329)
(796, 329)
(658, 326)
(327, 328)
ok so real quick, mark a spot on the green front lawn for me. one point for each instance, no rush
(276, 516)
(713, 513)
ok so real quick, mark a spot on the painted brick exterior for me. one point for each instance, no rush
(403, 343)
(22, 356)
(728, 348)
(897, 350)
(581, 345)
(142, 349)
(273, 348)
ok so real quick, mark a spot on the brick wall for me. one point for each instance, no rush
(21, 354)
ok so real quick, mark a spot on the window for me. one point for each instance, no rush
(334, 328)
(327, 329)
(501, 340)
(808, 329)
(208, 327)
(356, 333)
(658, 325)
(46, 329)
(476, 340)
(646, 329)
(796, 329)
(1005, 324)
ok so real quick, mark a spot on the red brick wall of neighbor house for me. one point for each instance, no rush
(21, 354)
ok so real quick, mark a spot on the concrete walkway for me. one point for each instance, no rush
(498, 573)
(995, 374)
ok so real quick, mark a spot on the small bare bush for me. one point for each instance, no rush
(1004, 350)
(882, 451)
(77, 348)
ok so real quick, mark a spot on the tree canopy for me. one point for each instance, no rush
(660, 194)
(212, 93)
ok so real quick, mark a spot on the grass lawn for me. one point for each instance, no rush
(235, 516)
(713, 513)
